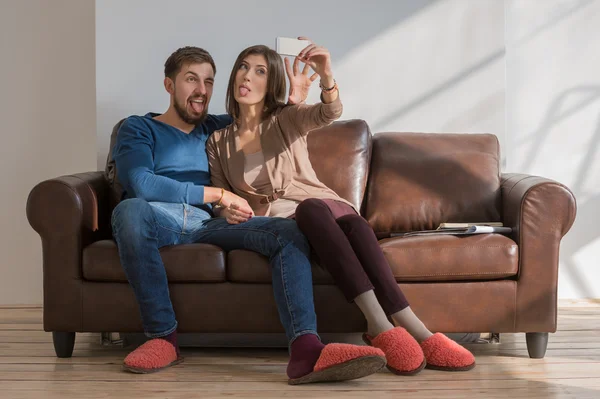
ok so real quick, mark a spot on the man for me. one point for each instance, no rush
(162, 165)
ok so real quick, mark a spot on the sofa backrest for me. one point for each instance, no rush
(419, 180)
(110, 170)
(340, 155)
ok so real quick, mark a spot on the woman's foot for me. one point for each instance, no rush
(154, 355)
(311, 361)
(403, 354)
(444, 354)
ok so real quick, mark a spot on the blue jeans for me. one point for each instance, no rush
(140, 228)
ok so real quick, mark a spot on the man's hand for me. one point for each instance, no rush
(299, 82)
(234, 215)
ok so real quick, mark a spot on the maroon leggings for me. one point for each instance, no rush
(347, 247)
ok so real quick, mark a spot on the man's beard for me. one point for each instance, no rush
(189, 118)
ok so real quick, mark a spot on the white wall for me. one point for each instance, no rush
(553, 118)
(401, 65)
(47, 117)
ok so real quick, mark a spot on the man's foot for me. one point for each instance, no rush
(403, 354)
(342, 362)
(154, 355)
(444, 354)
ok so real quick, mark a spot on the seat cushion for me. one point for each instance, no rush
(250, 267)
(189, 263)
(452, 258)
(440, 258)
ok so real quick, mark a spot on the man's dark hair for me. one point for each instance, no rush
(185, 56)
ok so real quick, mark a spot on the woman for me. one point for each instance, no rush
(263, 157)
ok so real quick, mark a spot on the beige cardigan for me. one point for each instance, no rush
(284, 145)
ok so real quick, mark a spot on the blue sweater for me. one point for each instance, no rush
(158, 162)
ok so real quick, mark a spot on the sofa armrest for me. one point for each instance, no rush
(70, 204)
(69, 213)
(540, 212)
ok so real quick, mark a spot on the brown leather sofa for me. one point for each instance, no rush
(402, 181)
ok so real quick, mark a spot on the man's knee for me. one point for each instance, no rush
(288, 232)
(130, 216)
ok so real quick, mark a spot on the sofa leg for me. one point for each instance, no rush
(63, 343)
(536, 344)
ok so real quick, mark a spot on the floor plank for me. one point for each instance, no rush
(30, 369)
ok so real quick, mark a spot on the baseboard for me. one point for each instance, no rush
(584, 302)
(20, 306)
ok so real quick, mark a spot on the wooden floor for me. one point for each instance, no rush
(29, 369)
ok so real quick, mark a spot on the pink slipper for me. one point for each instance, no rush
(152, 356)
(342, 362)
(402, 352)
(444, 354)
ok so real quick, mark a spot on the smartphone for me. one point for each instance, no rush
(290, 46)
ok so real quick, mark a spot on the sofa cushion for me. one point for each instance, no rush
(441, 258)
(250, 267)
(340, 155)
(110, 170)
(419, 180)
(189, 263)
(452, 258)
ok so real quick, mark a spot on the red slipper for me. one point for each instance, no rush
(342, 362)
(402, 352)
(152, 356)
(444, 354)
